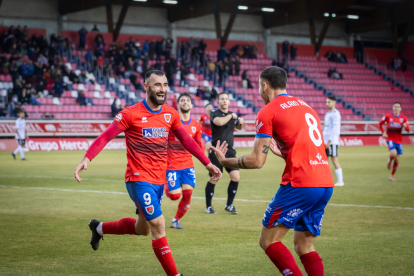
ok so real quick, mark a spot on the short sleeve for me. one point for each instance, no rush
(123, 119)
(213, 115)
(264, 127)
(176, 122)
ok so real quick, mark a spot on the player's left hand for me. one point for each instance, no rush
(328, 145)
(220, 150)
(82, 166)
(214, 171)
(241, 121)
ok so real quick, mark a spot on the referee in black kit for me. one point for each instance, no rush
(223, 123)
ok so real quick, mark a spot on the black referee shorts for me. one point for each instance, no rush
(231, 153)
(21, 142)
(332, 151)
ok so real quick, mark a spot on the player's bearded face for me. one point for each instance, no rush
(158, 97)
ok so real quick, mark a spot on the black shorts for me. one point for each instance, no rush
(21, 142)
(231, 153)
(332, 151)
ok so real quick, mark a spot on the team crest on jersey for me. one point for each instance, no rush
(193, 129)
(149, 209)
(167, 117)
(172, 183)
(401, 120)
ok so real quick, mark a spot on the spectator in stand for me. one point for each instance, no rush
(3, 111)
(159, 49)
(34, 96)
(82, 38)
(151, 49)
(183, 75)
(237, 65)
(230, 65)
(392, 63)
(16, 109)
(73, 77)
(333, 74)
(145, 60)
(114, 108)
(344, 59)
(81, 100)
(247, 51)
(25, 33)
(169, 72)
(145, 48)
(183, 50)
(135, 82)
(293, 50)
(62, 44)
(221, 71)
(211, 69)
(285, 50)
(226, 65)
(95, 28)
(42, 59)
(246, 77)
(47, 116)
(221, 54)
(168, 47)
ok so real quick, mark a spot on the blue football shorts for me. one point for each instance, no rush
(147, 198)
(176, 178)
(392, 145)
(206, 138)
(298, 208)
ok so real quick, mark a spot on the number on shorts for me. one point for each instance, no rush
(313, 127)
(147, 198)
(172, 176)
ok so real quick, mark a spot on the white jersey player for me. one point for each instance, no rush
(21, 135)
(331, 132)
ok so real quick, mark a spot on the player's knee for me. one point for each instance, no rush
(175, 196)
(303, 248)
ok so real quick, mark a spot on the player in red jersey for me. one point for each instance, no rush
(205, 123)
(292, 130)
(395, 123)
(180, 172)
(146, 126)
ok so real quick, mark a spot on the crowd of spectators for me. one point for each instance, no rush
(334, 74)
(336, 57)
(398, 64)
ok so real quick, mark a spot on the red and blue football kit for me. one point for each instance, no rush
(394, 129)
(180, 161)
(307, 182)
(206, 127)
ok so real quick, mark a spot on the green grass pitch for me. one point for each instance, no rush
(45, 231)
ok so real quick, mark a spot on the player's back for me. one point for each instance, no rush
(178, 157)
(297, 130)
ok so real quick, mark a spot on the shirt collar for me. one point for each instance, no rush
(149, 109)
(186, 123)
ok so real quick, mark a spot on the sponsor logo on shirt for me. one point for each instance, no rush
(144, 120)
(167, 117)
(149, 209)
(320, 161)
(193, 129)
(118, 117)
(398, 125)
(154, 132)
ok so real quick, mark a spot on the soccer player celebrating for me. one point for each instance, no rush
(331, 132)
(395, 123)
(180, 171)
(292, 130)
(21, 135)
(223, 123)
(205, 123)
(146, 126)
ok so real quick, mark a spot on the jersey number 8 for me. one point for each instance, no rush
(313, 127)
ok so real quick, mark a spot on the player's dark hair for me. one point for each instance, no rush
(222, 93)
(275, 76)
(156, 72)
(398, 103)
(208, 104)
(332, 98)
(184, 94)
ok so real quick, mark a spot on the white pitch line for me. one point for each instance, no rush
(195, 197)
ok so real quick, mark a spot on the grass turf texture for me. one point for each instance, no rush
(45, 232)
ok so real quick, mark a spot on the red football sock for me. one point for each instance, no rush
(184, 204)
(313, 264)
(394, 167)
(283, 259)
(120, 227)
(163, 252)
(391, 157)
(174, 196)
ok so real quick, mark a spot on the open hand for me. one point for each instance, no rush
(220, 150)
(274, 148)
(82, 166)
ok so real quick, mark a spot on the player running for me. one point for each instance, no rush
(331, 132)
(180, 172)
(21, 135)
(395, 123)
(146, 126)
(307, 182)
(223, 123)
(205, 123)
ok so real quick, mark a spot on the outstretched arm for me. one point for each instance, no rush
(96, 147)
(384, 134)
(192, 146)
(253, 160)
